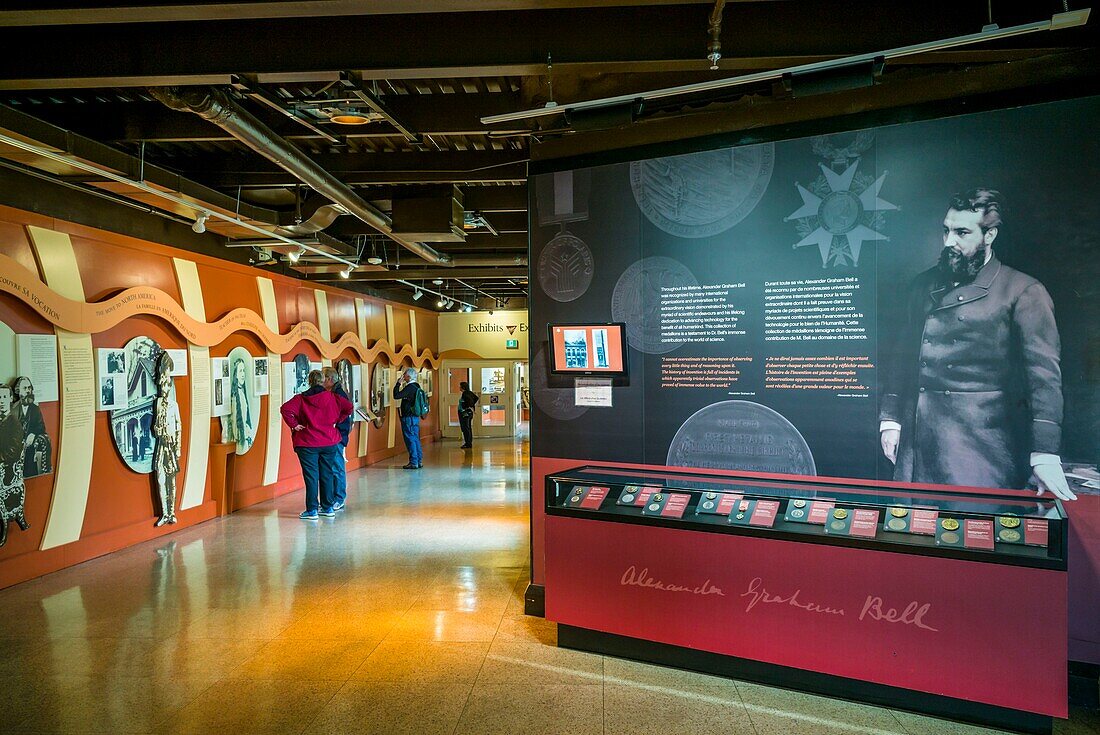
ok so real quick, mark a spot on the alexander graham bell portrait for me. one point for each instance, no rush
(973, 387)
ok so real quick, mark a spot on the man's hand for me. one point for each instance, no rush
(299, 427)
(889, 439)
(1050, 478)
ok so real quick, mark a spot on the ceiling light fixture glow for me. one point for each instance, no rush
(200, 223)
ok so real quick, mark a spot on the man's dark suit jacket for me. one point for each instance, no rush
(975, 380)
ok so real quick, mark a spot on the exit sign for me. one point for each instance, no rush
(511, 344)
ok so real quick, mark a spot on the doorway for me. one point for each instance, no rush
(498, 383)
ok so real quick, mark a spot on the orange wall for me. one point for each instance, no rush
(120, 510)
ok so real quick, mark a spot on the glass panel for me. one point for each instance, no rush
(494, 415)
(454, 377)
(492, 380)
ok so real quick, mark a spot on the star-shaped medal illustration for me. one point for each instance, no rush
(841, 215)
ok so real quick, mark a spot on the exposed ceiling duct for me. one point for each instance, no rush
(214, 105)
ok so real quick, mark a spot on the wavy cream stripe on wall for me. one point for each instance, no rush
(76, 436)
(322, 320)
(274, 384)
(364, 371)
(198, 441)
(392, 435)
(92, 318)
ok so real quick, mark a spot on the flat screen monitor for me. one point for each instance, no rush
(588, 349)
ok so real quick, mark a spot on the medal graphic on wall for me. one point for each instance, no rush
(702, 194)
(841, 209)
(565, 265)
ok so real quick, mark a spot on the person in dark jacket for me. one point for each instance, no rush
(312, 417)
(36, 442)
(405, 390)
(974, 394)
(340, 491)
(466, 403)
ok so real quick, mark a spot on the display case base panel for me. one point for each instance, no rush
(992, 634)
(609, 644)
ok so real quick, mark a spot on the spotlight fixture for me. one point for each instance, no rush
(439, 304)
(346, 273)
(448, 304)
(296, 255)
(417, 294)
(200, 223)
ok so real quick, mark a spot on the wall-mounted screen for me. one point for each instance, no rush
(588, 349)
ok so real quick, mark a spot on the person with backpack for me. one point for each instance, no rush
(466, 403)
(312, 417)
(414, 406)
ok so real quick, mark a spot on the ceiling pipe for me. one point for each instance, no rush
(714, 27)
(322, 218)
(215, 106)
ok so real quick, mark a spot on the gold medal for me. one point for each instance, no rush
(949, 537)
(899, 512)
(950, 524)
(798, 503)
(1009, 534)
(840, 514)
(743, 505)
(895, 524)
(1009, 521)
(658, 498)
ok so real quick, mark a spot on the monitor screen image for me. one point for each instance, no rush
(589, 349)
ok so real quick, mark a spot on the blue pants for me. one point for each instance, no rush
(410, 431)
(319, 472)
(340, 488)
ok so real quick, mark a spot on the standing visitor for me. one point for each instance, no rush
(312, 417)
(466, 403)
(414, 406)
(340, 491)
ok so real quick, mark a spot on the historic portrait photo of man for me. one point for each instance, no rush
(972, 391)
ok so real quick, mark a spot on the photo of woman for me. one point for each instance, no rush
(244, 405)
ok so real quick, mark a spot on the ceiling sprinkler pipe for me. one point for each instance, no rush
(714, 27)
(214, 105)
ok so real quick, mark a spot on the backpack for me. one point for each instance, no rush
(420, 403)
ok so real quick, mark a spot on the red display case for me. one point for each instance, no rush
(947, 603)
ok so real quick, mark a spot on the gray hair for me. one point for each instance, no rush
(316, 377)
(410, 374)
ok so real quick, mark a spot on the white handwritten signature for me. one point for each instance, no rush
(632, 577)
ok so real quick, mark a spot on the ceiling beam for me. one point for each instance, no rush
(473, 44)
(757, 119)
(121, 122)
(498, 273)
(110, 12)
(67, 142)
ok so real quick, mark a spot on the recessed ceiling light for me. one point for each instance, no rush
(349, 117)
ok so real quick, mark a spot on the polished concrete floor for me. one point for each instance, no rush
(402, 615)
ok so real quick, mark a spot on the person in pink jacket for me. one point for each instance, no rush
(312, 417)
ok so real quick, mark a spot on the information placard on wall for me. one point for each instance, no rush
(38, 361)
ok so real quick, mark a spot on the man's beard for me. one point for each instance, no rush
(958, 268)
